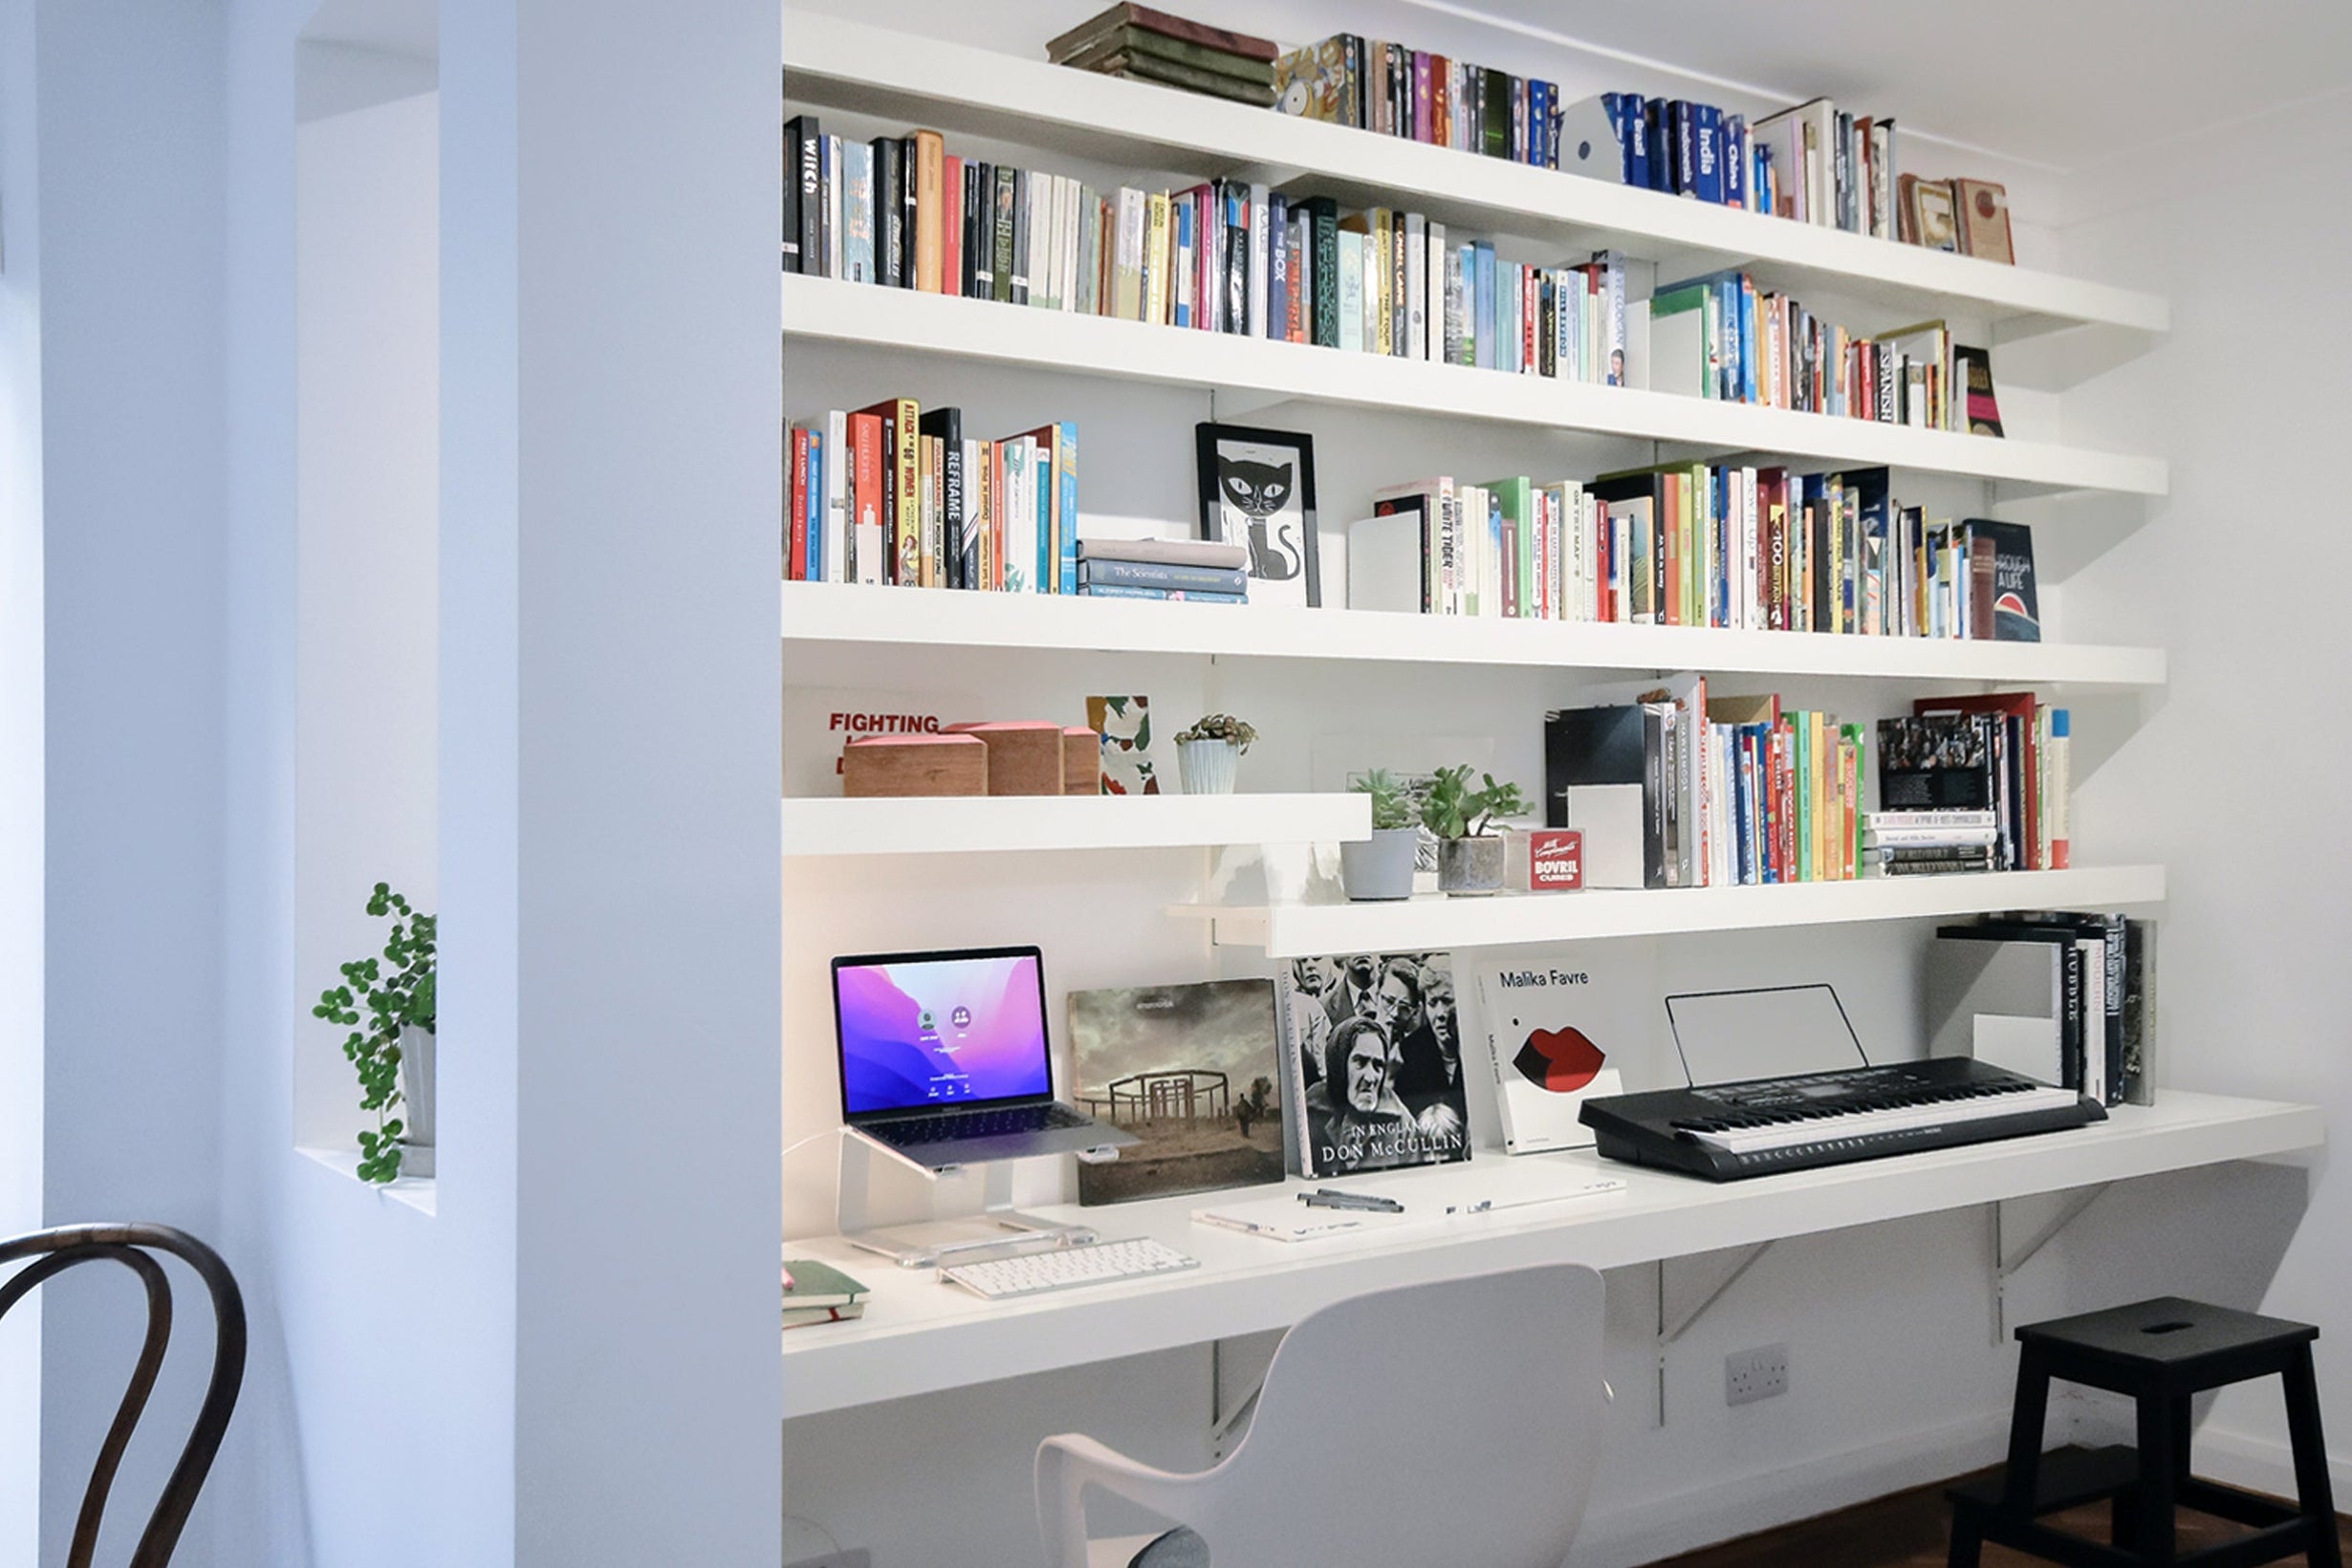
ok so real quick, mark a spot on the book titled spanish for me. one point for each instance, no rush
(1372, 1063)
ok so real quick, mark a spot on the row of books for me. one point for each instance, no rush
(892, 493)
(2072, 997)
(1674, 788)
(2006, 754)
(1695, 545)
(1720, 338)
(1918, 843)
(1224, 256)
(1812, 163)
(1376, 86)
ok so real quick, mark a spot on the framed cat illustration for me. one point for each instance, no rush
(1257, 488)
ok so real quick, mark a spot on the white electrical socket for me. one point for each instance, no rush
(1751, 1374)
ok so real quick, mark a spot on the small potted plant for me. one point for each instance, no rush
(389, 1004)
(1469, 852)
(1382, 867)
(1208, 754)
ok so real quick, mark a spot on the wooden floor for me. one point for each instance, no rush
(1908, 1530)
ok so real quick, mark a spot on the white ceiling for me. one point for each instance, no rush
(2068, 83)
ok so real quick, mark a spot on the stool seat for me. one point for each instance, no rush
(2170, 1336)
(2159, 1353)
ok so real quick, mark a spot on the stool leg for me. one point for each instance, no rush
(2157, 1468)
(2124, 1519)
(1966, 1543)
(2182, 1424)
(2311, 1493)
(2025, 1423)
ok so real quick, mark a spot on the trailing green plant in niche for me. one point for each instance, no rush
(378, 999)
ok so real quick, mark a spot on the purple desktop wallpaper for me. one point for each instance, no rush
(985, 1037)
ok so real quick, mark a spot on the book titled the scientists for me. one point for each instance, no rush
(1372, 1063)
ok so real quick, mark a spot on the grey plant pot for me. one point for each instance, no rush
(1380, 867)
(417, 1103)
(1470, 867)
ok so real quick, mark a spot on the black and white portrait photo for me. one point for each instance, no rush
(1257, 489)
(1377, 1058)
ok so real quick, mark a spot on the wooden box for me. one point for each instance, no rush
(1024, 756)
(898, 765)
(1081, 761)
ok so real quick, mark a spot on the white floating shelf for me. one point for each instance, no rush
(830, 62)
(1298, 930)
(959, 824)
(824, 612)
(919, 1335)
(874, 317)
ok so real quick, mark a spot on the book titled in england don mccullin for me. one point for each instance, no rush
(1372, 1063)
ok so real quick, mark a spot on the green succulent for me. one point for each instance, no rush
(1454, 809)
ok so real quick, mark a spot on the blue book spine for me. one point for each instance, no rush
(1637, 139)
(1735, 161)
(1190, 596)
(1099, 571)
(1065, 468)
(1707, 153)
(1685, 147)
(813, 507)
(1488, 335)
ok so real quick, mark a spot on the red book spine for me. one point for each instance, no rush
(797, 541)
(1784, 801)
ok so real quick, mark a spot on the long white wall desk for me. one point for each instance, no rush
(919, 1335)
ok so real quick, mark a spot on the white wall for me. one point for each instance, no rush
(21, 755)
(2233, 774)
(129, 105)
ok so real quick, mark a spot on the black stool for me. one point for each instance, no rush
(2160, 1353)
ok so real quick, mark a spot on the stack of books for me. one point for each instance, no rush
(1187, 569)
(1146, 45)
(1919, 843)
(2006, 754)
(819, 1292)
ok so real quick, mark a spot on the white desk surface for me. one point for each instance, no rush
(919, 1335)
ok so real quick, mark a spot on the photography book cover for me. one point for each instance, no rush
(1372, 1063)
(1190, 1070)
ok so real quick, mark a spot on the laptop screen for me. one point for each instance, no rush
(942, 1029)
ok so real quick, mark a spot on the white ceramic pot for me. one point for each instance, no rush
(1207, 767)
(416, 1101)
(1380, 867)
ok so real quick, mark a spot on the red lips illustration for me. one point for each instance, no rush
(1559, 1060)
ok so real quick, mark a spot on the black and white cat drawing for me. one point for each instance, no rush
(1260, 491)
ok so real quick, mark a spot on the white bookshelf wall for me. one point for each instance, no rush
(1111, 913)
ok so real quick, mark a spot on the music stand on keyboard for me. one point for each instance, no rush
(1767, 1032)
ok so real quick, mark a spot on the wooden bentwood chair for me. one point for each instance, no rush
(55, 1251)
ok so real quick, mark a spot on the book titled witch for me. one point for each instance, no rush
(1372, 1063)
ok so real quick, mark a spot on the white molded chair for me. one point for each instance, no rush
(1455, 1423)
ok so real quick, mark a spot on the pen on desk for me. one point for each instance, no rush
(1328, 1199)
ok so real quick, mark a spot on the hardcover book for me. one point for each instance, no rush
(2016, 610)
(1553, 1030)
(1189, 1070)
(1940, 761)
(1372, 1063)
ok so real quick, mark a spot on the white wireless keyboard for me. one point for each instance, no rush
(1065, 1267)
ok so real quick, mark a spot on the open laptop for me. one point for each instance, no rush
(944, 1058)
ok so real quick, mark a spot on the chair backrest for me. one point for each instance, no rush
(52, 1253)
(1456, 1422)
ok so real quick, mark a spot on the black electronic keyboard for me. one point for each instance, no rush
(1759, 1128)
